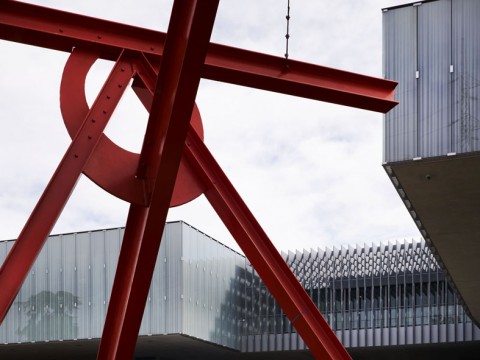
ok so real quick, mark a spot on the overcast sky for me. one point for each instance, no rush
(309, 171)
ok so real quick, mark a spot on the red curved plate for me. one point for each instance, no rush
(111, 167)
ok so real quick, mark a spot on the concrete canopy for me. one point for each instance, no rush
(443, 197)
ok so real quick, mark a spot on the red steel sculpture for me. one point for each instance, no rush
(174, 165)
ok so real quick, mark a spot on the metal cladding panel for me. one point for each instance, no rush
(45, 309)
(11, 323)
(154, 320)
(56, 297)
(434, 79)
(162, 313)
(97, 268)
(172, 276)
(466, 75)
(400, 63)
(84, 290)
(70, 286)
(212, 283)
(113, 242)
(66, 294)
(432, 50)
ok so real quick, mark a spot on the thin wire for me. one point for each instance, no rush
(287, 36)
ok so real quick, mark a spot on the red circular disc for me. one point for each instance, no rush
(112, 167)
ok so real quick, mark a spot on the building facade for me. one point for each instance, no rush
(372, 296)
(432, 138)
(431, 48)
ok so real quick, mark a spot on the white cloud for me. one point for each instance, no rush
(309, 171)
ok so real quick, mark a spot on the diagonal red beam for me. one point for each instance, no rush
(277, 276)
(59, 30)
(42, 219)
(189, 32)
(256, 245)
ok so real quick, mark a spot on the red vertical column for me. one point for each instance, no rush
(186, 45)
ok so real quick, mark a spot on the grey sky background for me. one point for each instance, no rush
(309, 171)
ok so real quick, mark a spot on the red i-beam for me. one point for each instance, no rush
(174, 166)
(191, 24)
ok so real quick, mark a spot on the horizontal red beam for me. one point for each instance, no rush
(59, 30)
(268, 72)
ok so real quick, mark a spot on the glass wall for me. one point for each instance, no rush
(195, 290)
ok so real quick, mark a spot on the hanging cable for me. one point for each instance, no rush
(287, 36)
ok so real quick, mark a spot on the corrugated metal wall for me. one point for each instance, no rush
(195, 288)
(466, 90)
(213, 281)
(432, 50)
(400, 64)
(66, 292)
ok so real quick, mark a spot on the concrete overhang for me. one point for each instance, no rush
(443, 196)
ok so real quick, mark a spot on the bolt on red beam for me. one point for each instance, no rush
(60, 30)
(186, 45)
(43, 218)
